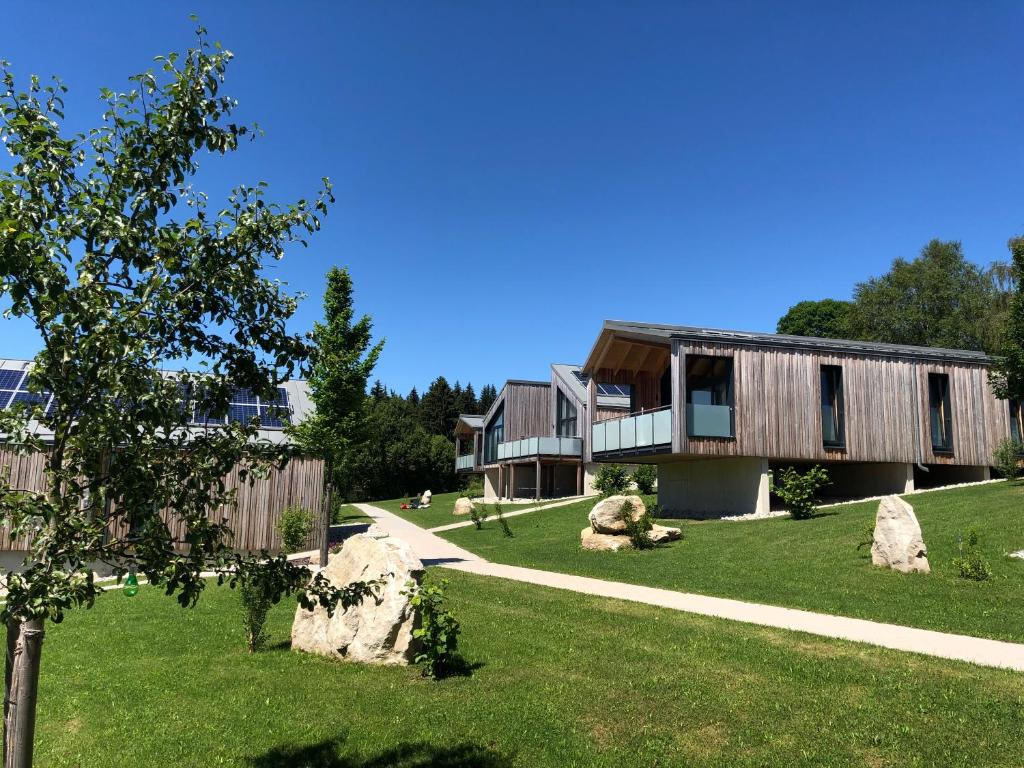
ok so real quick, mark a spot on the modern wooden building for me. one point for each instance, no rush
(718, 411)
(259, 504)
(531, 440)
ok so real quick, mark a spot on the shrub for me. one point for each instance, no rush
(294, 526)
(638, 530)
(478, 515)
(798, 491)
(611, 479)
(1007, 458)
(257, 598)
(475, 488)
(505, 530)
(867, 537)
(645, 477)
(438, 633)
(972, 563)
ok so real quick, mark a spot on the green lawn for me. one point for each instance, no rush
(812, 564)
(440, 511)
(562, 680)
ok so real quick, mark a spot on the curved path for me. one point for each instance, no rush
(433, 550)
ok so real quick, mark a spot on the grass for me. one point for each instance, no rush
(812, 564)
(440, 511)
(350, 514)
(561, 679)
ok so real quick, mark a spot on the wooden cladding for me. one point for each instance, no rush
(527, 410)
(253, 518)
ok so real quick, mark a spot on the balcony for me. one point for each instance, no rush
(464, 463)
(641, 433)
(709, 420)
(528, 447)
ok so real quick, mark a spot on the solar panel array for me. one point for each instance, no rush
(615, 390)
(273, 413)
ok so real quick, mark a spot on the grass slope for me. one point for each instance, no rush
(562, 680)
(440, 511)
(812, 564)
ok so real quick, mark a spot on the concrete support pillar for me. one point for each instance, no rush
(511, 481)
(537, 482)
(908, 483)
(763, 504)
(579, 479)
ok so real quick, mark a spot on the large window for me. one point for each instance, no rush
(709, 396)
(833, 427)
(565, 416)
(494, 434)
(1017, 420)
(941, 416)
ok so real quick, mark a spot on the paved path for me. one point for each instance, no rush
(434, 550)
(514, 513)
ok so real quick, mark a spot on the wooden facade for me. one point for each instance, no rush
(776, 395)
(253, 518)
(527, 410)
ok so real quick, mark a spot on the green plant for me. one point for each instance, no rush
(438, 633)
(799, 490)
(505, 530)
(867, 537)
(637, 529)
(972, 563)
(1007, 457)
(475, 488)
(257, 596)
(611, 479)
(294, 527)
(645, 476)
(478, 515)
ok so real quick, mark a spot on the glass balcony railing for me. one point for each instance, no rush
(709, 420)
(540, 446)
(636, 432)
(464, 462)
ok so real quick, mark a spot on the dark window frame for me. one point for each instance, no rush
(494, 433)
(565, 425)
(940, 413)
(833, 397)
(719, 396)
(1017, 420)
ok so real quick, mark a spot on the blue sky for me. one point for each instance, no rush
(510, 175)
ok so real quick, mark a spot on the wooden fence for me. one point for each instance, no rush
(252, 518)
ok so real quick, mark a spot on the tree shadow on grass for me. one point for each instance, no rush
(459, 667)
(326, 754)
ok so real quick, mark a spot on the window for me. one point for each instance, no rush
(494, 434)
(1017, 420)
(565, 416)
(833, 427)
(940, 414)
(709, 396)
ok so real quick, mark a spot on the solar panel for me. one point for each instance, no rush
(31, 398)
(203, 417)
(281, 398)
(243, 413)
(271, 416)
(243, 397)
(5, 398)
(9, 380)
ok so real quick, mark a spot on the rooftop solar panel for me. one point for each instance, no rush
(243, 397)
(31, 398)
(5, 398)
(9, 380)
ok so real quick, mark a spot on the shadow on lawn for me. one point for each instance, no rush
(325, 754)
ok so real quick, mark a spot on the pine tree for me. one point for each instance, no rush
(1007, 375)
(414, 398)
(469, 401)
(437, 408)
(487, 397)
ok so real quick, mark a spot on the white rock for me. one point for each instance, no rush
(377, 631)
(463, 506)
(603, 542)
(606, 516)
(376, 532)
(662, 533)
(425, 499)
(897, 541)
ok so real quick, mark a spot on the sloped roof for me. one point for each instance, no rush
(576, 380)
(297, 392)
(473, 421)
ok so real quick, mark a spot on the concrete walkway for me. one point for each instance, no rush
(514, 513)
(434, 550)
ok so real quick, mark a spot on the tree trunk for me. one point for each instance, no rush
(24, 650)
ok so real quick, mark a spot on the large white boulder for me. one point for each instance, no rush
(603, 542)
(661, 533)
(378, 630)
(897, 541)
(463, 506)
(606, 516)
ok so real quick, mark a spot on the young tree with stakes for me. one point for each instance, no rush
(124, 271)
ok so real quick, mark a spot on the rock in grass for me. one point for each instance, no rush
(603, 542)
(378, 630)
(606, 516)
(463, 506)
(897, 541)
(661, 533)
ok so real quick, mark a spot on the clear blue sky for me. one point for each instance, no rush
(510, 175)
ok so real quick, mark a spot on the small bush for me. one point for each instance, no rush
(645, 476)
(505, 530)
(475, 488)
(294, 526)
(798, 491)
(478, 515)
(438, 633)
(257, 598)
(638, 530)
(611, 479)
(867, 537)
(972, 563)
(1007, 458)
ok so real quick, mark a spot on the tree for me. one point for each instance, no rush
(937, 300)
(487, 397)
(825, 319)
(468, 402)
(437, 409)
(340, 363)
(1007, 377)
(414, 397)
(124, 271)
